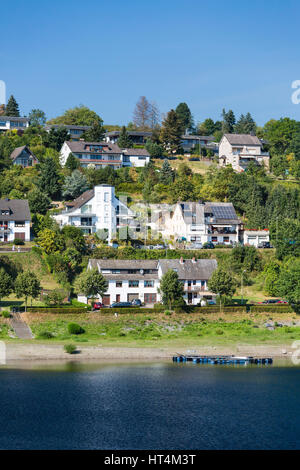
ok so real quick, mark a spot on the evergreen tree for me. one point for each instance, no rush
(72, 162)
(38, 201)
(49, 181)
(124, 141)
(56, 137)
(228, 121)
(96, 133)
(171, 132)
(75, 185)
(250, 125)
(171, 289)
(166, 173)
(12, 107)
(185, 117)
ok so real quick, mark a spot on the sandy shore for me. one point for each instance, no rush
(47, 352)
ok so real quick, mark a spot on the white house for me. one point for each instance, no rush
(97, 210)
(239, 150)
(8, 123)
(214, 222)
(135, 157)
(140, 279)
(95, 154)
(255, 237)
(14, 220)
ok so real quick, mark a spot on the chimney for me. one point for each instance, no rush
(181, 260)
(194, 260)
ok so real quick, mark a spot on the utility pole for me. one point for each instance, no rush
(242, 278)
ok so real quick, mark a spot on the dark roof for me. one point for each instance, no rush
(136, 152)
(19, 209)
(82, 147)
(133, 133)
(243, 139)
(68, 126)
(201, 269)
(14, 118)
(124, 264)
(190, 209)
(197, 137)
(82, 199)
(15, 153)
(222, 211)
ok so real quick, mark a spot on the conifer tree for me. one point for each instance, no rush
(171, 132)
(124, 141)
(12, 107)
(167, 173)
(49, 179)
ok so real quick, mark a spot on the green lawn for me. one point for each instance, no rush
(161, 330)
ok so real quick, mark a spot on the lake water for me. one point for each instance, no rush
(150, 406)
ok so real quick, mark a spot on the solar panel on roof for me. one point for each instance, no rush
(224, 212)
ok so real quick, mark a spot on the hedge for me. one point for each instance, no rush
(283, 308)
(63, 310)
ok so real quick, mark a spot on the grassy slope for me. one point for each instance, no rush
(197, 167)
(160, 330)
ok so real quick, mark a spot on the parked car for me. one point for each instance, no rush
(136, 302)
(211, 302)
(264, 245)
(208, 246)
(159, 247)
(97, 305)
(121, 305)
(273, 301)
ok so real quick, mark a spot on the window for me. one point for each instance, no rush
(214, 239)
(225, 239)
(133, 283)
(106, 197)
(106, 220)
(118, 283)
(20, 223)
(148, 283)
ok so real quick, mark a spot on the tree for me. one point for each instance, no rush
(281, 134)
(72, 162)
(50, 240)
(38, 201)
(245, 124)
(154, 149)
(37, 117)
(6, 284)
(95, 134)
(271, 275)
(171, 132)
(124, 141)
(222, 283)
(49, 180)
(141, 113)
(185, 117)
(56, 137)
(183, 190)
(289, 283)
(12, 107)
(279, 165)
(154, 115)
(166, 173)
(91, 283)
(207, 127)
(77, 116)
(228, 121)
(171, 288)
(27, 285)
(75, 185)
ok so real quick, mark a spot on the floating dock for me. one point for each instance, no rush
(223, 359)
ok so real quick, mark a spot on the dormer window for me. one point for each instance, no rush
(5, 212)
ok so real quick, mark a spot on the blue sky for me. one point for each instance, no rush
(242, 55)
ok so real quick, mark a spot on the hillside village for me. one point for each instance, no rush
(118, 214)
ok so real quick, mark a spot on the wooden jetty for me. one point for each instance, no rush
(223, 359)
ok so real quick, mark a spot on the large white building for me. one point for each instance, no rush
(102, 154)
(214, 222)
(239, 150)
(98, 211)
(14, 220)
(140, 279)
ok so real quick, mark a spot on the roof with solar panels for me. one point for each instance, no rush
(222, 212)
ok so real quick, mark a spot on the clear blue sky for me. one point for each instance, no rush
(237, 54)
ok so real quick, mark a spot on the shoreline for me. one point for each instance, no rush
(18, 353)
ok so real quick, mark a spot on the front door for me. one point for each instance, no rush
(190, 297)
(106, 300)
(118, 298)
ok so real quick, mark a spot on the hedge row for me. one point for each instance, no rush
(57, 310)
(283, 308)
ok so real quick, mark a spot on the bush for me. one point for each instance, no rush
(59, 310)
(75, 329)
(6, 314)
(46, 335)
(70, 348)
(18, 241)
(167, 312)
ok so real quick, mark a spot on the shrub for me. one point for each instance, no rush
(167, 312)
(75, 329)
(18, 241)
(6, 314)
(219, 331)
(46, 335)
(70, 348)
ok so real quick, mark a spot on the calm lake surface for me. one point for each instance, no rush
(150, 406)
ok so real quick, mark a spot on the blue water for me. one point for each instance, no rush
(150, 406)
